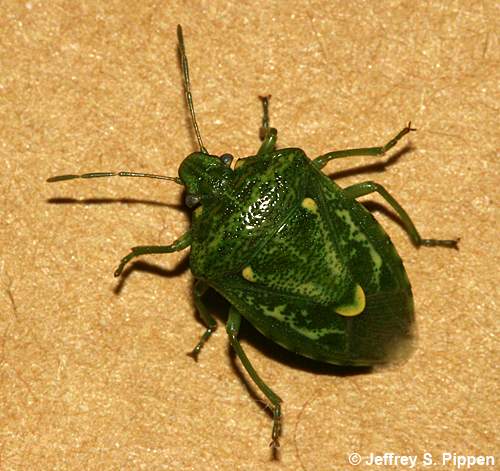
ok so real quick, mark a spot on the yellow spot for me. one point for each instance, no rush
(356, 307)
(310, 205)
(239, 163)
(197, 212)
(248, 274)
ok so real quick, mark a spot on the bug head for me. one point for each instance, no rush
(205, 176)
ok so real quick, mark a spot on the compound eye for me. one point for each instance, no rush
(226, 159)
(191, 200)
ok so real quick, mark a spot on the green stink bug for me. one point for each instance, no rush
(291, 251)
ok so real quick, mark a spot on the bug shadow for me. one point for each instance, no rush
(88, 201)
(153, 269)
(375, 207)
(139, 265)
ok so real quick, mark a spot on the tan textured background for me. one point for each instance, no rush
(93, 370)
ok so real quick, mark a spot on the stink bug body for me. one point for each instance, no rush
(292, 252)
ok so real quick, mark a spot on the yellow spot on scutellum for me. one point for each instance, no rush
(310, 205)
(356, 307)
(239, 163)
(248, 274)
(198, 211)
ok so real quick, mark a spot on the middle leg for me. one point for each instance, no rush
(365, 188)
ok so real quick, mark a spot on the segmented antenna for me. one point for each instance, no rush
(60, 178)
(187, 87)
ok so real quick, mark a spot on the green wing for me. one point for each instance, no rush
(301, 289)
(302, 259)
(316, 331)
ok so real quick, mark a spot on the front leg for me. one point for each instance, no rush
(180, 244)
(200, 288)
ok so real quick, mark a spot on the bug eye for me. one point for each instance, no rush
(191, 200)
(226, 159)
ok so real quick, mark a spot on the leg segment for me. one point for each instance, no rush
(322, 160)
(365, 188)
(268, 135)
(232, 328)
(200, 289)
(180, 244)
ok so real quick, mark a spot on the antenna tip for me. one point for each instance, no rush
(60, 178)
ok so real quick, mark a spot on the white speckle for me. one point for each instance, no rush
(483, 204)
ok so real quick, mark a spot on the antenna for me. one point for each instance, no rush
(187, 87)
(61, 178)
